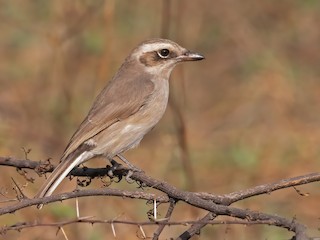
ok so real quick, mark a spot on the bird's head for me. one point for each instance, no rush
(159, 56)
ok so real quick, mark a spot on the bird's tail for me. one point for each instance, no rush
(60, 172)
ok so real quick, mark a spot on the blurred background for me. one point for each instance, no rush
(247, 115)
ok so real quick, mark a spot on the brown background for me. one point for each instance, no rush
(250, 110)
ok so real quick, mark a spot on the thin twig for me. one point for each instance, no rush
(112, 222)
(233, 197)
(196, 227)
(83, 193)
(167, 218)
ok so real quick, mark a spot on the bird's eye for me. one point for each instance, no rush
(163, 53)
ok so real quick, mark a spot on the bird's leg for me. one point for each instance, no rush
(117, 167)
(132, 168)
(114, 166)
(129, 164)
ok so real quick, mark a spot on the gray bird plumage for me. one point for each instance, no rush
(129, 106)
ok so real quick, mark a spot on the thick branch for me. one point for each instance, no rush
(196, 201)
(225, 199)
(46, 166)
(18, 163)
(200, 200)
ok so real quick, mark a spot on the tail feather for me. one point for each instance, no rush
(60, 172)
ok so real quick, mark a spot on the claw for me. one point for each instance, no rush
(118, 170)
(128, 179)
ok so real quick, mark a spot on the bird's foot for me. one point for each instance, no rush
(128, 176)
(118, 170)
(115, 170)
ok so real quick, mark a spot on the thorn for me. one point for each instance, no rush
(164, 220)
(26, 152)
(22, 196)
(77, 208)
(39, 206)
(143, 233)
(155, 209)
(64, 233)
(113, 230)
(85, 218)
(301, 193)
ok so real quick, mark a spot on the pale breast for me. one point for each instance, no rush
(128, 132)
(156, 105)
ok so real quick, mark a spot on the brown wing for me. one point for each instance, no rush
(125, 94)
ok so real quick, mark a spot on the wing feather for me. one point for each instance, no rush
(125, 94)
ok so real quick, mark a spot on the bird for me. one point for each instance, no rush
(127, 108)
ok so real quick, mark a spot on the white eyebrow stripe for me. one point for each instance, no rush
(155, 46)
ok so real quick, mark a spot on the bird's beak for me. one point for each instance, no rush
(190, 56)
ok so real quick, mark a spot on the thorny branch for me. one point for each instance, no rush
(215, 204)
(22, 225)
(166, 219)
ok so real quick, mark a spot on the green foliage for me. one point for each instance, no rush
(93, 42)
(243, 157)
(62, 211)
